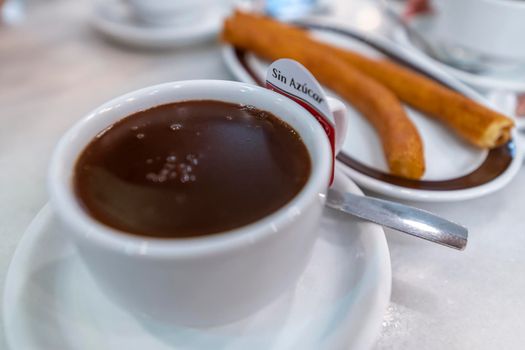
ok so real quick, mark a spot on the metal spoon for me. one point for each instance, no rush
(404, 218)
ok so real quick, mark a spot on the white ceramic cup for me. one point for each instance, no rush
(207, 280)
(494, 28)
(168, 12)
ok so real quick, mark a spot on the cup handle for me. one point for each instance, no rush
(339, 112)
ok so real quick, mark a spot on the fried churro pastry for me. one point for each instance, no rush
(400, 139)
(477, 124)
(474, 122)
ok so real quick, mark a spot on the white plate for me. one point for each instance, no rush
(51, 301)
(448, 159)
(114, 20)
(512, 79)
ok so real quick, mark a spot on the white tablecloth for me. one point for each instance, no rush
(54, 68)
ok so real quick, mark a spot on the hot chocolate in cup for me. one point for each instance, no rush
(211, 278)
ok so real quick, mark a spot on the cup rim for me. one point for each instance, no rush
(70, 211)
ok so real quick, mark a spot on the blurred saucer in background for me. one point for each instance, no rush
(118, 22)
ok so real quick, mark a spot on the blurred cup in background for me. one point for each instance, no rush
(492, 28)
(168, 12)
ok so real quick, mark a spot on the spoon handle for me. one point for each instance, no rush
(400, 217)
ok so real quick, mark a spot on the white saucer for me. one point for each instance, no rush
(512, 79)
(455, 170)
(114, 20)
(51, 301)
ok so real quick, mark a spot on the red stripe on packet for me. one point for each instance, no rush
(327, 126)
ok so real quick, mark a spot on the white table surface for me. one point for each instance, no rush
(54, 68)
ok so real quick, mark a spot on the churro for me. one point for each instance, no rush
(474, 122)
(400, 139)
